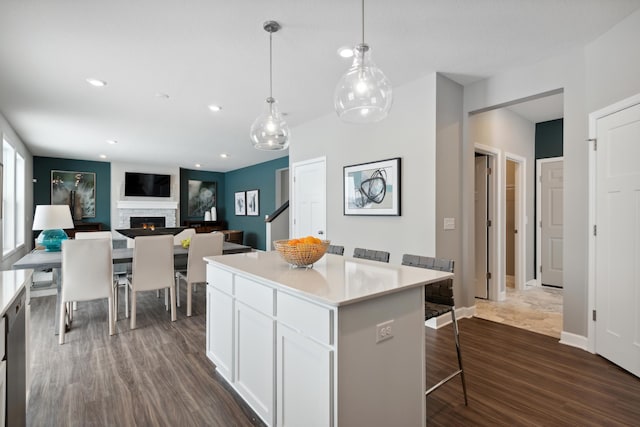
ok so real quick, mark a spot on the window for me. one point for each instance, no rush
(13, 205)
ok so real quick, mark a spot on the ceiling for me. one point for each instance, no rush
(215, 52)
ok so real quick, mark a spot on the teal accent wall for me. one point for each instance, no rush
(42, 167)
(200, 175)
(257, 177)
(549, 139)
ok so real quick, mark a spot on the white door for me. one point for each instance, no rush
(551, 189)
(617, 241)
(482, 230)
(309, 215)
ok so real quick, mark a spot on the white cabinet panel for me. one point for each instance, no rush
(308, 318)
(303, 365)
(220, 331)
(254, 294)
(255, 350)
(221, 279)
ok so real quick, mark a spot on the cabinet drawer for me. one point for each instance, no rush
(308, 318)
(255, 295)
(219, 278)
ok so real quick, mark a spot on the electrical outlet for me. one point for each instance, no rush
(384, 331)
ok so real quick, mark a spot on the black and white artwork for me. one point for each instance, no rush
(372, 188)
(253, 202)
(202, 197)
(240, 203)
(75, 189)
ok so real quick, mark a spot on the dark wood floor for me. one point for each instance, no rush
(159, 375)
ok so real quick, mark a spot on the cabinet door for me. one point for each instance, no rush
(220, 331)
(303, 364)
(255, 349)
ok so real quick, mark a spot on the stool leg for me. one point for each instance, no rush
(457, 340)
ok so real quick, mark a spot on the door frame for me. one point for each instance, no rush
(539, 162)
(280, 198)
(497, 291)
(591, 278)
(520, 224)
(293, 189)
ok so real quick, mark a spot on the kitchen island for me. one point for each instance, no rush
(341, 343)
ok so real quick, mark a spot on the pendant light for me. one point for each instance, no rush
(270, 131)
(363, 94)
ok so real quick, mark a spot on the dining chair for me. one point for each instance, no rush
(152, 269)
(205, 244)
(335, 249)
(181, 264)
(371, 254)
(87, 274)
(438, 300)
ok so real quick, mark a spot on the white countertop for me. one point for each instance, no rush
(11, 283)
(334, 280)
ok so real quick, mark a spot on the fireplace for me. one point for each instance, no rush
(128, 209)
(146, 221)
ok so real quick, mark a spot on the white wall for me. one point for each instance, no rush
(9, 134)
(409, 132)
(117, 185)
(601, 73)
(510, 133)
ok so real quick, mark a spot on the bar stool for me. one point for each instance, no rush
(335, 249)
(371, 254)
(438, 300)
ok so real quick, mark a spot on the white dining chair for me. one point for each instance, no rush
(202, 245)
(81, 235)
(152, 270)
(87, 274)
(181, 265)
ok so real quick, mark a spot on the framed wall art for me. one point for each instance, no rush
(240, 203)
(202, 197)
(253, 202)
(372, 188)
(76, 189)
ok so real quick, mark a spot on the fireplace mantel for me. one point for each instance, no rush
(144, 204)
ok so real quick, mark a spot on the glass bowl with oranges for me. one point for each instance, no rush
(302, 252)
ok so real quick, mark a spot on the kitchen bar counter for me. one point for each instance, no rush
(340, 344)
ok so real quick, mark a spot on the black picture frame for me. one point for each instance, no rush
(373, 188)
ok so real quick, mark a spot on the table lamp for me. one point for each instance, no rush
(51, 219)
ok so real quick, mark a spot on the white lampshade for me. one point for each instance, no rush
(50, 217)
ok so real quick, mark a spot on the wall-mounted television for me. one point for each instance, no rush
(147, 184)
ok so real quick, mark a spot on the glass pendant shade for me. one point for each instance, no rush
(270, 131)
(363, 94)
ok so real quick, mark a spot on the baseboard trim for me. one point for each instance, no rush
(35, 293)
(531, 283)
(573, 340)
(445, 319)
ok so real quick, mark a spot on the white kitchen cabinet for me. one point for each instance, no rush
(303, 365)
(220, 330)
(254, 359)
(304, 348)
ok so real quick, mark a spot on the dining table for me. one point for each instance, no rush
(39, 259)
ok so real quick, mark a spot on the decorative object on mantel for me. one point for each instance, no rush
(372, 188)
(253, 202)
(240, 203)
(76, 190)
(52, 219)
(302, 252)
(363, 94)
(214, 214)
(270, 131)
(202, 197)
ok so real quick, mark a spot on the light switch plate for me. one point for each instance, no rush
(449, 223)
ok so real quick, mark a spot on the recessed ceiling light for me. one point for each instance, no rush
(215, 108)
(345, 52)
(111, 141)
(96, 82)
(162, 95)
(224, 155)
(103, 156)
(197, 165)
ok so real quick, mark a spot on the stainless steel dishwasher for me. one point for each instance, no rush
(16, 363)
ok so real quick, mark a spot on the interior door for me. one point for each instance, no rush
(551, 188)
(309, 199)
(617, 277)
(481, 226)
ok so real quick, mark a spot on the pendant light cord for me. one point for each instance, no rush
(270, 65)
(362, 21)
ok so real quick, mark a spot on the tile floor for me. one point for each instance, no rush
(537, 309)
